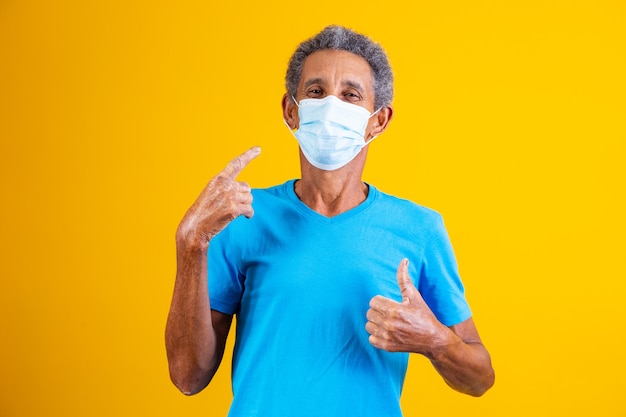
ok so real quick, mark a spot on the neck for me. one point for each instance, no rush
(331, 193)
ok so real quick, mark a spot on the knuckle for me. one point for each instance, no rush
(221, 182)
(233, 206)
(227, 185)
(393, 313)
(375, 301)
(389, 327)
(220, 177)
(245, 186)
(384, 344)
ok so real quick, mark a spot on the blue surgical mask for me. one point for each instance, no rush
(331, 131)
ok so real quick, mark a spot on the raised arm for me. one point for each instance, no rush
(195, 335)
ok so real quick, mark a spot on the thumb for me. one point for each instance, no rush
(404, 280)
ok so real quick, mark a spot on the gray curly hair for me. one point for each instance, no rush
(341, 38)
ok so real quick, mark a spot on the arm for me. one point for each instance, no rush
(410, 326)
(462, 360)
(195, 335)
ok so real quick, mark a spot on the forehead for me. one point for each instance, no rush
(336, 67)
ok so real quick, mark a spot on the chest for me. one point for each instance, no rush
(331, 269)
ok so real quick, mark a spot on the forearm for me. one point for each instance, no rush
(464, 365)
(195, 336)
(191, 341)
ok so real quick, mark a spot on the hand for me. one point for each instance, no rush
(407, 326)
(221, 201)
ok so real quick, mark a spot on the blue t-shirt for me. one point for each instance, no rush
(300, 285)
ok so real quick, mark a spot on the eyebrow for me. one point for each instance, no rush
(313, 81)
(354, 85)
(348, 83)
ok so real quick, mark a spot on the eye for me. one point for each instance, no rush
(314, 93)
(352, 96)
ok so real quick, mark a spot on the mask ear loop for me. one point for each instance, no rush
(285, 121)
(369, 141)
(372, 115)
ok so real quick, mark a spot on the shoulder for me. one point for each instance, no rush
(274, 192)
(407, 209)
(268, 203)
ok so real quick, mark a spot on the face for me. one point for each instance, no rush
(339, 73)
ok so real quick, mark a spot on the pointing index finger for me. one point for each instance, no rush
(235, 166)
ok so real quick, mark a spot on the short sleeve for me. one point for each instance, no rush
(440, 283)
(225, 279)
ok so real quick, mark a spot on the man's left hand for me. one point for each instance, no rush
(406, 326)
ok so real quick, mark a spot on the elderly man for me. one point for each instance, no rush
(332, 281)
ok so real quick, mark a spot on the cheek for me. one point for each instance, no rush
(371, 131)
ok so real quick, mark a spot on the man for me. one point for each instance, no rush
(333, 282)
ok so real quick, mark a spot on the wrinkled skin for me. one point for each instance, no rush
(222, 200)
(195, 335)
(410, 326)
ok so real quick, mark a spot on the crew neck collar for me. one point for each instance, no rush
(372, 195)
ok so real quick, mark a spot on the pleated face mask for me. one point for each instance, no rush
(331, 131)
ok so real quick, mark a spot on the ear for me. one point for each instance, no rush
(290, 112)
(380, 121)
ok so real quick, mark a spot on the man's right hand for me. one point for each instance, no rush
(221, 201)
(195, 336)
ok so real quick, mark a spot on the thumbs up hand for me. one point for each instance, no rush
(406, 326)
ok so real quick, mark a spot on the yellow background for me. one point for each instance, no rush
(510, 121)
